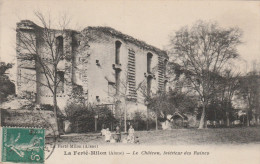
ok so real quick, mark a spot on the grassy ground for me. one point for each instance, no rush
(241, 135)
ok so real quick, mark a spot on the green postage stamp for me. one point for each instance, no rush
(23, 145)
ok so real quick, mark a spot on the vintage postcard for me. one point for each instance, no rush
(122, 81)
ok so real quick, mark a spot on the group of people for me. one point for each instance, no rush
(117, 137)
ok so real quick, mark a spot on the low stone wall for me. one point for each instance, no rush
(29, 118)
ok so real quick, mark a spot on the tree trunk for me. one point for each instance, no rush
(202, 119)
(247, 119)
(147, 120)
(156, 119)
(125, 119)
(156, 122)
(95, 124)
(55, 112)
(228, 122)
(55, 106)
(256, 119)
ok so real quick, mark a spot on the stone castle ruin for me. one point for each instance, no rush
(102, 66)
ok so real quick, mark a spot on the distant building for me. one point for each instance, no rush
(113, 64)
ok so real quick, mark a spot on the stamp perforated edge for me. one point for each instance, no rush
(1, 144)
(1, 136)
(25, 127)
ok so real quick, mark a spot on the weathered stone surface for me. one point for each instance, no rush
(88, 63)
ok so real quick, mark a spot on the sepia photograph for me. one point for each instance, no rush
(129, 81)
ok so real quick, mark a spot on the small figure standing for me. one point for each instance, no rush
(112, 140)
(107, 135)
(118, 134)
(128, 126)
(131, 136)
(103, 131)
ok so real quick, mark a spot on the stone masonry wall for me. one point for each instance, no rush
(90, 68)
(102, 47)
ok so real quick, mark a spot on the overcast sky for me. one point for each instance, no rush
(150, 21)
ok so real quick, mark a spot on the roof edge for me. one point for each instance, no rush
(127, 38)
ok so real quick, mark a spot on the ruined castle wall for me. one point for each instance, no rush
(31, 80)
(101, 72)
(26, 67)
(80, 59)
(44, 95)
(89, 67)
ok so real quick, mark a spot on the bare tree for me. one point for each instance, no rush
(249, 92)
(148, 94)
(143, 90)
(44, 46)
(157, 102)
(123, 97)
(229, 84)
(159, 105)
(203, 51)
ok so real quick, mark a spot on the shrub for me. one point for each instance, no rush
(106, 118)
(139, 121)
(82, 118)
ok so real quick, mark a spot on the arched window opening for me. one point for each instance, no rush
(117, 61)
(117, 54)
(149, 62)
(59, 46)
